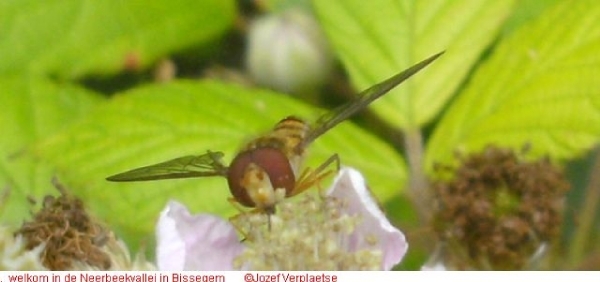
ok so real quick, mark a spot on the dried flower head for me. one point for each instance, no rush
(119, 255)
(70, 239)
(498, 210)
(14, 254)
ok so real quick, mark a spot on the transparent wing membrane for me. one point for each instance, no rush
(333, 118)
(209, 164)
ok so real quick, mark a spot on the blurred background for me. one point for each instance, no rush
(94, 88)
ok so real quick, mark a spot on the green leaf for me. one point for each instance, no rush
(31, 109)
(524, 11)
(540, 86)
(377, 38)
(74, 38)
(161, 122)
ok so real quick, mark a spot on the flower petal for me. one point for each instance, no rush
(350, 186)
(194, 242)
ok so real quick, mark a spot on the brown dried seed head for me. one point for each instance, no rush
(68, 232)
(497, 209)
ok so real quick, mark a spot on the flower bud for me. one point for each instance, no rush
(288, 52)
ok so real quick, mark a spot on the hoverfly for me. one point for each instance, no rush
(267, 169)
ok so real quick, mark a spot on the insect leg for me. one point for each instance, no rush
(309, 177)
(234, 220)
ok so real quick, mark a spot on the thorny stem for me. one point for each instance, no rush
(418, 188)
(588, 212)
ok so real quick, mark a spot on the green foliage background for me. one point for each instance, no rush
(514, 72)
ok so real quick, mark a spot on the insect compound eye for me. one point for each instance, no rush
(270, 160)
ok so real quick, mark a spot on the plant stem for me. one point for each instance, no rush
(418, 188)
(587, 214)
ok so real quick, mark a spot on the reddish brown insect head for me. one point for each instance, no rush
(260, 177)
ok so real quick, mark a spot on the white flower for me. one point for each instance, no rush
(350, 185)
(344, 231)
(194, 242)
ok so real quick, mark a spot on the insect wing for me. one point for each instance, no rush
(333, 118)
(209, 164)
